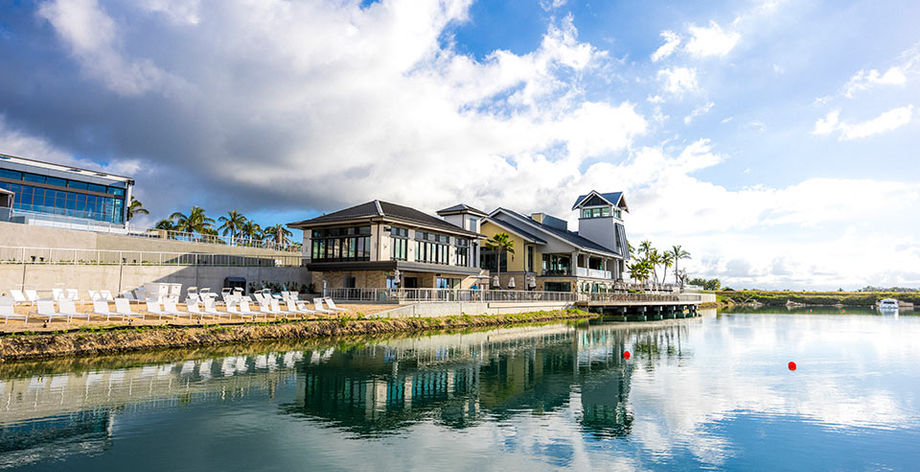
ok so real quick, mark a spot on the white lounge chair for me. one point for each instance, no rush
(331, 305)
(58, 294)
(246, 309)
(210, 307)
(18, 296)
(32, 296)
(318, 306)
(153, 307)
(7, 311)
(94, 295)
(101, 308)
(275, 306)
(46, 310)
(129, 295)
(193, 308)
(106, 295)
(170, 308)
(266, 309)
(123, 308)
(72, 294)
(70, 309)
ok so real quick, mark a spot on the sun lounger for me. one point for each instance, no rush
(106, 295)
(153, 307)
(193, 308)
(18, 296)
(72, 294)
(266, 309)
(57, 294)
(32, 296)
(46, 310)
(318, 306)
(123, 308)
(94, 295)
(331, 305)
(170, 308)
(246, 309)
(210, 308)
(7, 311)
(70, 309)
(275, 307)
(101, 308)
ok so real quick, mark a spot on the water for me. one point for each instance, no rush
(709, 393)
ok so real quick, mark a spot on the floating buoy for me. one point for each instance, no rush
(792, 365)
(626, 355)
(809, 310)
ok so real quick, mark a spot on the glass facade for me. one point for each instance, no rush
(341, 244)
(432, 248)
(57, 196)
(600, 212)
(399, 243)
(554, 264)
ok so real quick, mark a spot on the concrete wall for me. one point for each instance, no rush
(469, 308)
(15, 234)
(44, 277)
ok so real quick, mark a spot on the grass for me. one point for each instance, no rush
(776, 298)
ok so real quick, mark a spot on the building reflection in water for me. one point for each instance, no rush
(367, 389)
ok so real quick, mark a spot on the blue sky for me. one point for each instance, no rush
(775, 139)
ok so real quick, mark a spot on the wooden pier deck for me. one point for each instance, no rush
(641, 307)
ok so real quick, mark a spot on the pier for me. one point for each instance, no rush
(640, 306)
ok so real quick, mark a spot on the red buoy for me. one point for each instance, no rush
(792, 365)
(626, 355)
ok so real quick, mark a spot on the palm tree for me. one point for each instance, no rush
(667, 260)
(646, 248)
(195, 222)
(136, 208)
(678, 253)
(251, 230)
(165, 223)
(639, 270)
(502, 243)
(232, 223)
(278, 233)
(653, 257)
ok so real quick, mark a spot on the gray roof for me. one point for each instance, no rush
(460, 208)
(519, 230)
(569, 236)
(386, 210)
(612, 197)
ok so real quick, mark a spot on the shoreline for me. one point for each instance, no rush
(80, 342)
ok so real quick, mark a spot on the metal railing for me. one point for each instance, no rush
(639, 297)
(44, 255)
(402, 295)
(212, 239)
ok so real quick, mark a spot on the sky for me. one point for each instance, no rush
(776, 140)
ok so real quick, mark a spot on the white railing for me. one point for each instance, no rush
(639, 297)
(66, 256)
(402, 295)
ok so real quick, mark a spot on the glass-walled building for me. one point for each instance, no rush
(46, 193)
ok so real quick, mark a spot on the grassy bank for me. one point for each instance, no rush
(110, 341)
(780, 298)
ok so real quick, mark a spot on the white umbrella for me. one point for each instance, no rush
(495, 282)
(396, 277)
(511, 282)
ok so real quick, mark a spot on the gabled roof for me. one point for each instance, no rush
(517, 229)
(613, 198)
(570, 237)
(385, 211)
(461, 208)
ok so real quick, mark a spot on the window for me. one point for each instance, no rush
(462, 252)
(117, 191)
(529, 258)
(488, 257)
(34, 178)
(554, 264)
(77, 185)
(601, 212)
(399, 243)
(432, 248)
(10, 174)
(341, 244)
(55, 181)
(557, 287)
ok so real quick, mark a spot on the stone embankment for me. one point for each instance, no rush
(95, 341)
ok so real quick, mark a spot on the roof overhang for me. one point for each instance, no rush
(547, 233)
(404, 266)
(304, 225)
(508, 228)
(620, 203)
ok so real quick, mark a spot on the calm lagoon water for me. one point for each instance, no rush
(708, 393)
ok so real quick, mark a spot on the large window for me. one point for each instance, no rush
(462, 251)
(432, 248)
(554, 264)
(399, 243)
(488, 258)
(64, 202)
(341, 244)
(602, 212)
(557, 287)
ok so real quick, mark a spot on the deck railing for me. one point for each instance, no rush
(45, 255)
(402, 295)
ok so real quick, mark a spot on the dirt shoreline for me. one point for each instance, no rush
(91, 341)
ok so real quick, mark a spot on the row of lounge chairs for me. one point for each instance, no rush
(72, 294)
(196, 306)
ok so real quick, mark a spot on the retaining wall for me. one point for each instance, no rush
(469, 308)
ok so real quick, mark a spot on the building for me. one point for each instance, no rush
(364, 246)
(56, 195)
(550, 257)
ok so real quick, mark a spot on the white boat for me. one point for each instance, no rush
(888, 305)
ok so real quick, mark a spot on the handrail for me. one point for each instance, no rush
(77, 256)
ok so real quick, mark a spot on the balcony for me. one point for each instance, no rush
(593, 273)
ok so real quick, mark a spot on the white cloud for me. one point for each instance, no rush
(671, 42)
(887, 121)
(678, 81)
(92, 36)
(711, 40)
(866, 79)
(697, 112)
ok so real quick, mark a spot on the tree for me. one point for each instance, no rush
(678, 253)
(251, 230)
(166, 224)
(232, 223)
(195, 222)
(502, 243)
(639, 270)
(136, 208)
(666, 260)
(278, 233)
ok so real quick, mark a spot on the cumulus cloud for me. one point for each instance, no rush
(711, 40)
(678, 81)
(887, 121)
(671, 42)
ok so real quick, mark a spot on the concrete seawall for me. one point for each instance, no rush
(469, 308)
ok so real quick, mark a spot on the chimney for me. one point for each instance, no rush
(538, 217)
